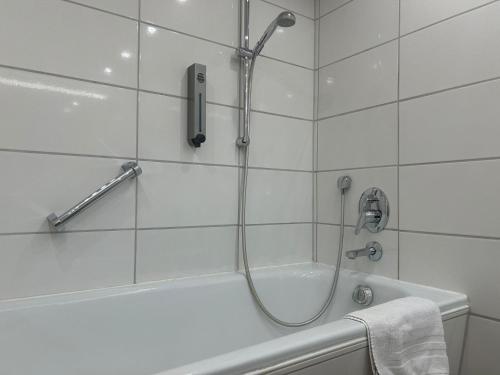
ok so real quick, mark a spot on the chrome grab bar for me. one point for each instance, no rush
(130, 170)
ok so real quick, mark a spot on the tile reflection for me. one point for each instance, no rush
(44, 87)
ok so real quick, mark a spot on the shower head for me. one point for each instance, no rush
(284, 19)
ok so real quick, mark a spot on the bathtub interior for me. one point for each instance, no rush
(149, 328)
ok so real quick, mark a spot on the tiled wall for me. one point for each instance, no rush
(87, 85)
(409, 98)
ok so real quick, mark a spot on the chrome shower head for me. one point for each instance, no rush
(284, 19)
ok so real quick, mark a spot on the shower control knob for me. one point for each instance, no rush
(373, 211)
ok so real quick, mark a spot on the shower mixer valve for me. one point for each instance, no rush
(373, 211)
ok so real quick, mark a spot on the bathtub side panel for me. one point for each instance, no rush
(454, 332)
(354, 363)
(357, 362)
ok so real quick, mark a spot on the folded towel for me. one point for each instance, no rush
(405, 337)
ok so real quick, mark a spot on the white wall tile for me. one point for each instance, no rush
(279, 196)
(280, 142)
(420, 13)
(67, 39)
(186, 194)
(453, 125)
(481, 349)
(329, 5)
(328, 242)
(166, 55)
(361, 81)
(361, 139)
(183, 252)
(163, 134)
(454, 263)
(269, 245)
(45, 113)
(460, 198)
(215, 20)
(304, 7)
(129, 8)
(283, 88)
(359, 25)
(459, 51)
(41, 184)
(291, 44)
(39, 264)
(362, 179)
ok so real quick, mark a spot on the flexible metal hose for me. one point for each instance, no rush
(243, 204)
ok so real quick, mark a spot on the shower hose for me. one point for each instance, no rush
(243, 201)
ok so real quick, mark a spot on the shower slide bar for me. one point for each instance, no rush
(130, 170)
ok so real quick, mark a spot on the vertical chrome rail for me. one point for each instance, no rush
(130, 170)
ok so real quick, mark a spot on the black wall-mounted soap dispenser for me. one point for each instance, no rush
(197, 78)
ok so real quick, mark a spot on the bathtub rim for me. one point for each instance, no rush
(240, 360)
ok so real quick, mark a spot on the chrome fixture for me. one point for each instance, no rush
(363, 295)
(372, 250)
(373, 211)
(284, 19)
(130, 170)
(248, 57)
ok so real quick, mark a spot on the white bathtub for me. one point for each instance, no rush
(205, 325)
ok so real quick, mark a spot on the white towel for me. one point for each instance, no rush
(405, 337)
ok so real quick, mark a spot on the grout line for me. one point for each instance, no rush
(149, 228)
(358, 53)
(239, 94)
(136, 207)
(153, 160)
(316, 94)
(334, 9)
(73, 78)
(352, 226)
(450, 89)
(473, 160)
(147, 23)
(448, 18)
(470, 236)
(404, 165)
(101, 10)
(286, 62)
(187, 227)
(223, 225)
(227, 166)
(67, 231)
(282, 115)
(398, 195)
(357, 110)
(55, 153)
(292, 10)
(484, 317)
(356, 168)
